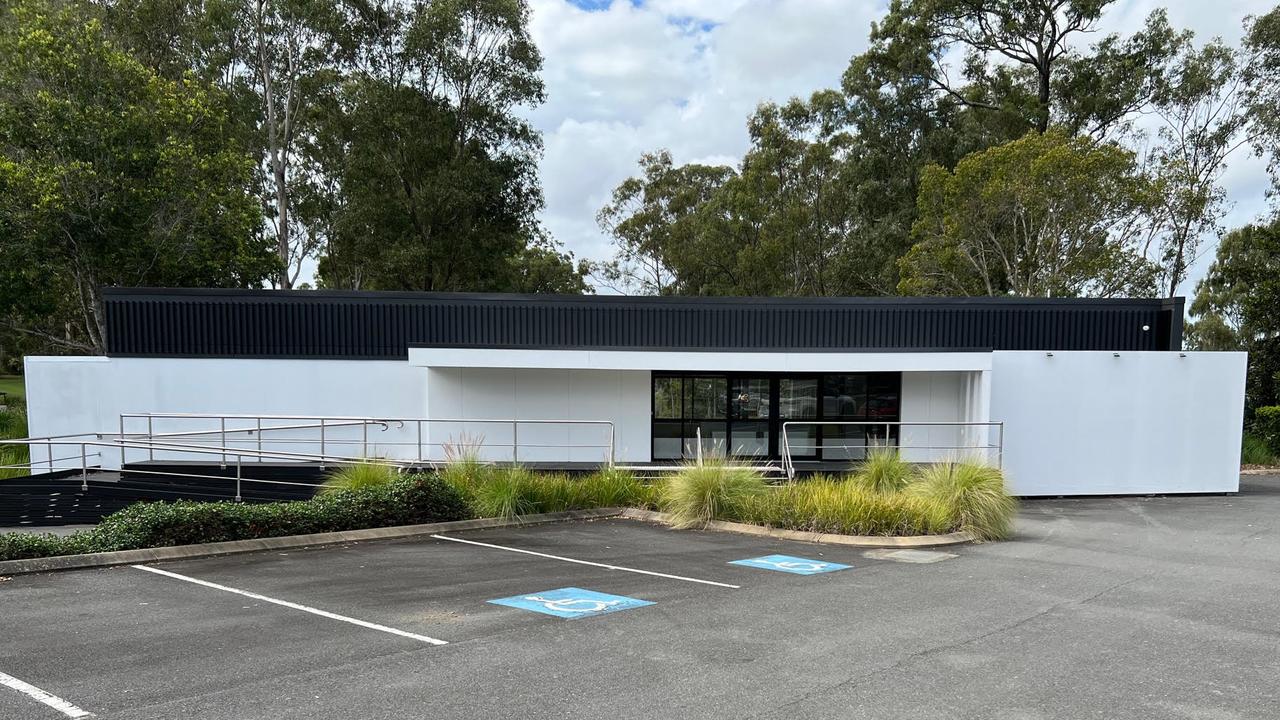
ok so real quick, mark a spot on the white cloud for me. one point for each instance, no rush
(632, 77)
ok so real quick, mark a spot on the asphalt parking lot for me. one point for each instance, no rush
(1108, 607)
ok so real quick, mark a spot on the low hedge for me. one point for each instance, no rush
(409, 500)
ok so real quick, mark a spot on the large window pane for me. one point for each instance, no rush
(750, 439)
(803, 440)
(749, 399)
(667, 394)
(798, 398)
(882, 396)
(843, 442)
(844, 397)
(705, 397)
(715, 439)
(668, 440)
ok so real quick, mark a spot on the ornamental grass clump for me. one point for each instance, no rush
(973, 494)
(832, 505)
(360, 476)
(884, 471)
(507, 493)
(698, 494)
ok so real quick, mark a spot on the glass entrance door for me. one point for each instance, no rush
(750, 417)
(798, 400)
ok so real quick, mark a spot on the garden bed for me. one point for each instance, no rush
(886, 503)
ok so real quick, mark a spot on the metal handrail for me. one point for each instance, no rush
(327, 422)
(788, 463)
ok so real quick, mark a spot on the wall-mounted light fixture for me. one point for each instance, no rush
(1115, 354)
(1182, 355)
(1048, 354)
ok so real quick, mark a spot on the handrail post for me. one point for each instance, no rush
(515, 441)
(259, 433)
(322, 454)
(151, 450)
(364, 440)
(613, 440)
(84, 470)
(698, 432)
(121, 437)
(222, 426)
(419, 449)
(1000, 450)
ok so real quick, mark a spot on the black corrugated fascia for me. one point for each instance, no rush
(376, 325)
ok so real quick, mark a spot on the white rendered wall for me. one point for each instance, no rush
(1081, 423)
(501, 393)
(941, 397)
(68, 395)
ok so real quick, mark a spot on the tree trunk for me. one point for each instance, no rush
(1042, 122)
(282, 223)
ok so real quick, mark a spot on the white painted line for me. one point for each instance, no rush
(295, 606)
(49, 699)
(588, 562)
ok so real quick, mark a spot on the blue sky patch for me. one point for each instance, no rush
(592, 5)
(570, 603)
(791, 564)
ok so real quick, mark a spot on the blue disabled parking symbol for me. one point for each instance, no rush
(791, 564)
(571, 602)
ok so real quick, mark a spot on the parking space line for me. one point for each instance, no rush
(295, 606)
(49, 699)
(588, 562)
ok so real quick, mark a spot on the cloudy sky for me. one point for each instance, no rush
(629, 76)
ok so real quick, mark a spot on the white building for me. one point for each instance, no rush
(1073, 397)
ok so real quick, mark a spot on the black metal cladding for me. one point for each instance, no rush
(377, 326)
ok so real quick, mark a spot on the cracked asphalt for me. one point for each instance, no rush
(1162, 607)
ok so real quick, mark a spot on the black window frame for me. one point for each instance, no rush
(894, 379)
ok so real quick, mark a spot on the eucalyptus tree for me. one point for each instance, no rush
(110, 175)
(1049, 215)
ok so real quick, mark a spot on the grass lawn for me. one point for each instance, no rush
(13, 385)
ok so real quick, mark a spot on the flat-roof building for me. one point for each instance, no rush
(1071, 396)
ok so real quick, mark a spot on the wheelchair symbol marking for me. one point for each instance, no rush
(567, 604)
(570, 603)
(790, 564)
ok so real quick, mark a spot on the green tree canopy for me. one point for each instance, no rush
(110, 175)
(1237, 307)
(1048, 215)
(424, 173)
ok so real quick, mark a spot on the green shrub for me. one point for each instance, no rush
(698, 494)
(408, 500)
(883, 471)
(1266, 425)
(973, 495)
(24, 546)
(360, 476)
(1254, 451)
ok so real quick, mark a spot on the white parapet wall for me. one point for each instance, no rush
(69, 395)
(1101, 423)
